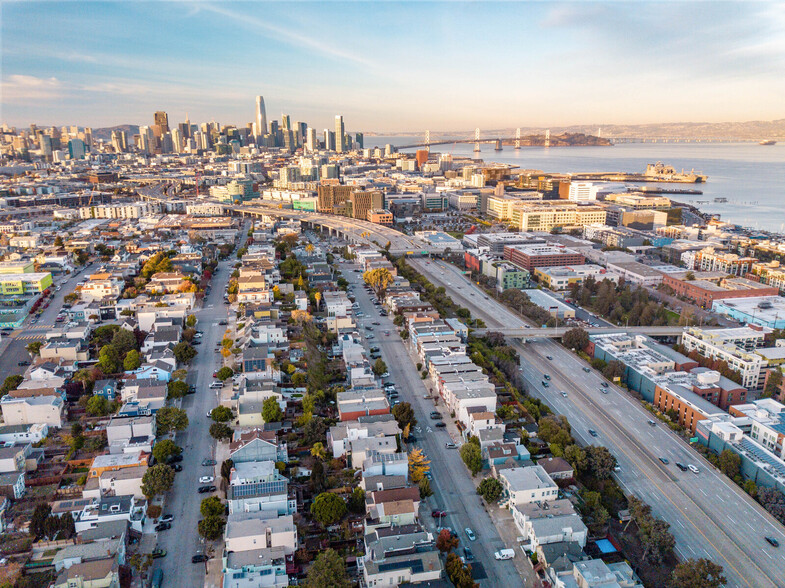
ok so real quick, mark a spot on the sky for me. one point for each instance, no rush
(392, 66)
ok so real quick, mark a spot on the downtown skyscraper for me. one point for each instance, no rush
(340, 142)
(261, 117)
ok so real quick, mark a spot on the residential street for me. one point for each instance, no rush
(453, 489)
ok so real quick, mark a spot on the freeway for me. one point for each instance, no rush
(708, 514)
(557, 332)
(453, 489)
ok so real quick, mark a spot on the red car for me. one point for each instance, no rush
(438, 513)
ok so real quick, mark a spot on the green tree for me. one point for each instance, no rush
(327, 571)
(614, 369)
(379, 367)
(166, 449)
(271, 411)
(404, 415)
(600, 462)
(328, 508)
(425, 488)
(109, 360)
(157, 480)
(176, 389)
(212, 528)
(184, 353)
(356, 502)
(593, 507)
(221, 431)
(170, 418)
(34, 347)
(221, 414)
(773, 384)
(751, 488)
(299, 379)
(555, 429)
(123, 341)
(576, 457)
(697, 573)
(730, 463)
(318, 450)
(212, 507)
(576, 338)
(224, 373)
(190, 321)
(470, 454)
(97, 406)
(132, 360)
(11, 382)
(490, 489)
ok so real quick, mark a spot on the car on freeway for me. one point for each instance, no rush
(681, 466)
(199, 558)
(693, 469)
(604, 384)
(163, 526)
(772, 541)
(546, 376)
(564, 394)
(167, 518)
(652, 423)
(549, 357)
(664, 460)
(545, 384)
(158, 552)
(205, 489)
(592, 432)
(440, 425)
(603, 390)
(587, 370)
(470, 534)
(209, 462)
(438, 513)
(206, 479)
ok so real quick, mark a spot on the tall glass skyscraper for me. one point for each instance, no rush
(339, 132)
(261, 117)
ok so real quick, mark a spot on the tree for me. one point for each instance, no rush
(445, 542)
(600, 462)
(123, 341)
(212, 527)
(141, 562)
(132, 360)
(460, 574)
(313, 431)
(656, 539)
(97, 406)
(379, 280)
(220, 431)
(356, 502)
(328, 508)
(38, 520)
(593, 507)
(176, 389)
(614, 369)
(166, 449)
(299, 379)
(555, 429)
(751, 488)
(212, 507)
(318, 451)
(404, 415)
(109, 360)
(271, 411)
(697, 573)
(221, 414)
(379, 367)
(470, 454)
(773, 501)
(226, 469)
(327, 571)
(157, 480)
(730, 463)
(425, 488)
(190, 321)
(490, 489)
(224, 373)
(170, 418)
(318, 480)
(689, 276)
(576, 338)
(419, 465)
(773, 383)
(183, 352)
(11, 382)
(34, 347)
(576, 457)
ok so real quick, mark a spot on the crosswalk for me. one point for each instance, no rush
(25, 336)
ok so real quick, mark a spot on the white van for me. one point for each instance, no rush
(504, 554)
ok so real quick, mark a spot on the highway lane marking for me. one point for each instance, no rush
(623, 433)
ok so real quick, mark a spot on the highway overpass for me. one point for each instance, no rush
(556, 332)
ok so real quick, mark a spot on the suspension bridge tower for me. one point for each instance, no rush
(548, 138)
(477, 140)
(428, 141)
(518, 138)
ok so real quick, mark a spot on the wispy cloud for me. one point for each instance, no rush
(18, 88)
(292, 37)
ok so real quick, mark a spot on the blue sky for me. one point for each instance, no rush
(390, 66)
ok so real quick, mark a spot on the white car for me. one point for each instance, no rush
(206, 479)
(693, 469)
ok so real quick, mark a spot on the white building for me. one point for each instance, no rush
(527, 484)
(583, 191)
(734, 346)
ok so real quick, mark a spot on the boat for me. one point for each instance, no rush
(720, 199)
(667, 173)
(768, 142)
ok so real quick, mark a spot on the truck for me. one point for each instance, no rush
(504, 554)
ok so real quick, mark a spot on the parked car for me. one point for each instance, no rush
(163, 526)
(504, 554)
(440, 425)
(167, 518)
(467, 553)
(206, 479)
(450, 445)
(436, 415)
(158, 552)
(23, 362)
(199, 558)
(438, 513)
(209, 462)
(470, 534)
(175, 458)
(177, 467)
(205, 489)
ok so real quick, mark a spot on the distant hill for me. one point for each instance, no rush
(105, 133)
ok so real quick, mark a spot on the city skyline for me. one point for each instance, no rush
(393, 67)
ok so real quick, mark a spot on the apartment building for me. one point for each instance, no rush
(705, 292)
(771, 274)
(531, 256)
(711, 260)
(545, 218)
(733, 346)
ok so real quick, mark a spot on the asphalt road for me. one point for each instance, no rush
(453, 489)
(182, 541)
(709, 516)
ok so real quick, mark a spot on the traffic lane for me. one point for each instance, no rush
(673, 502)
